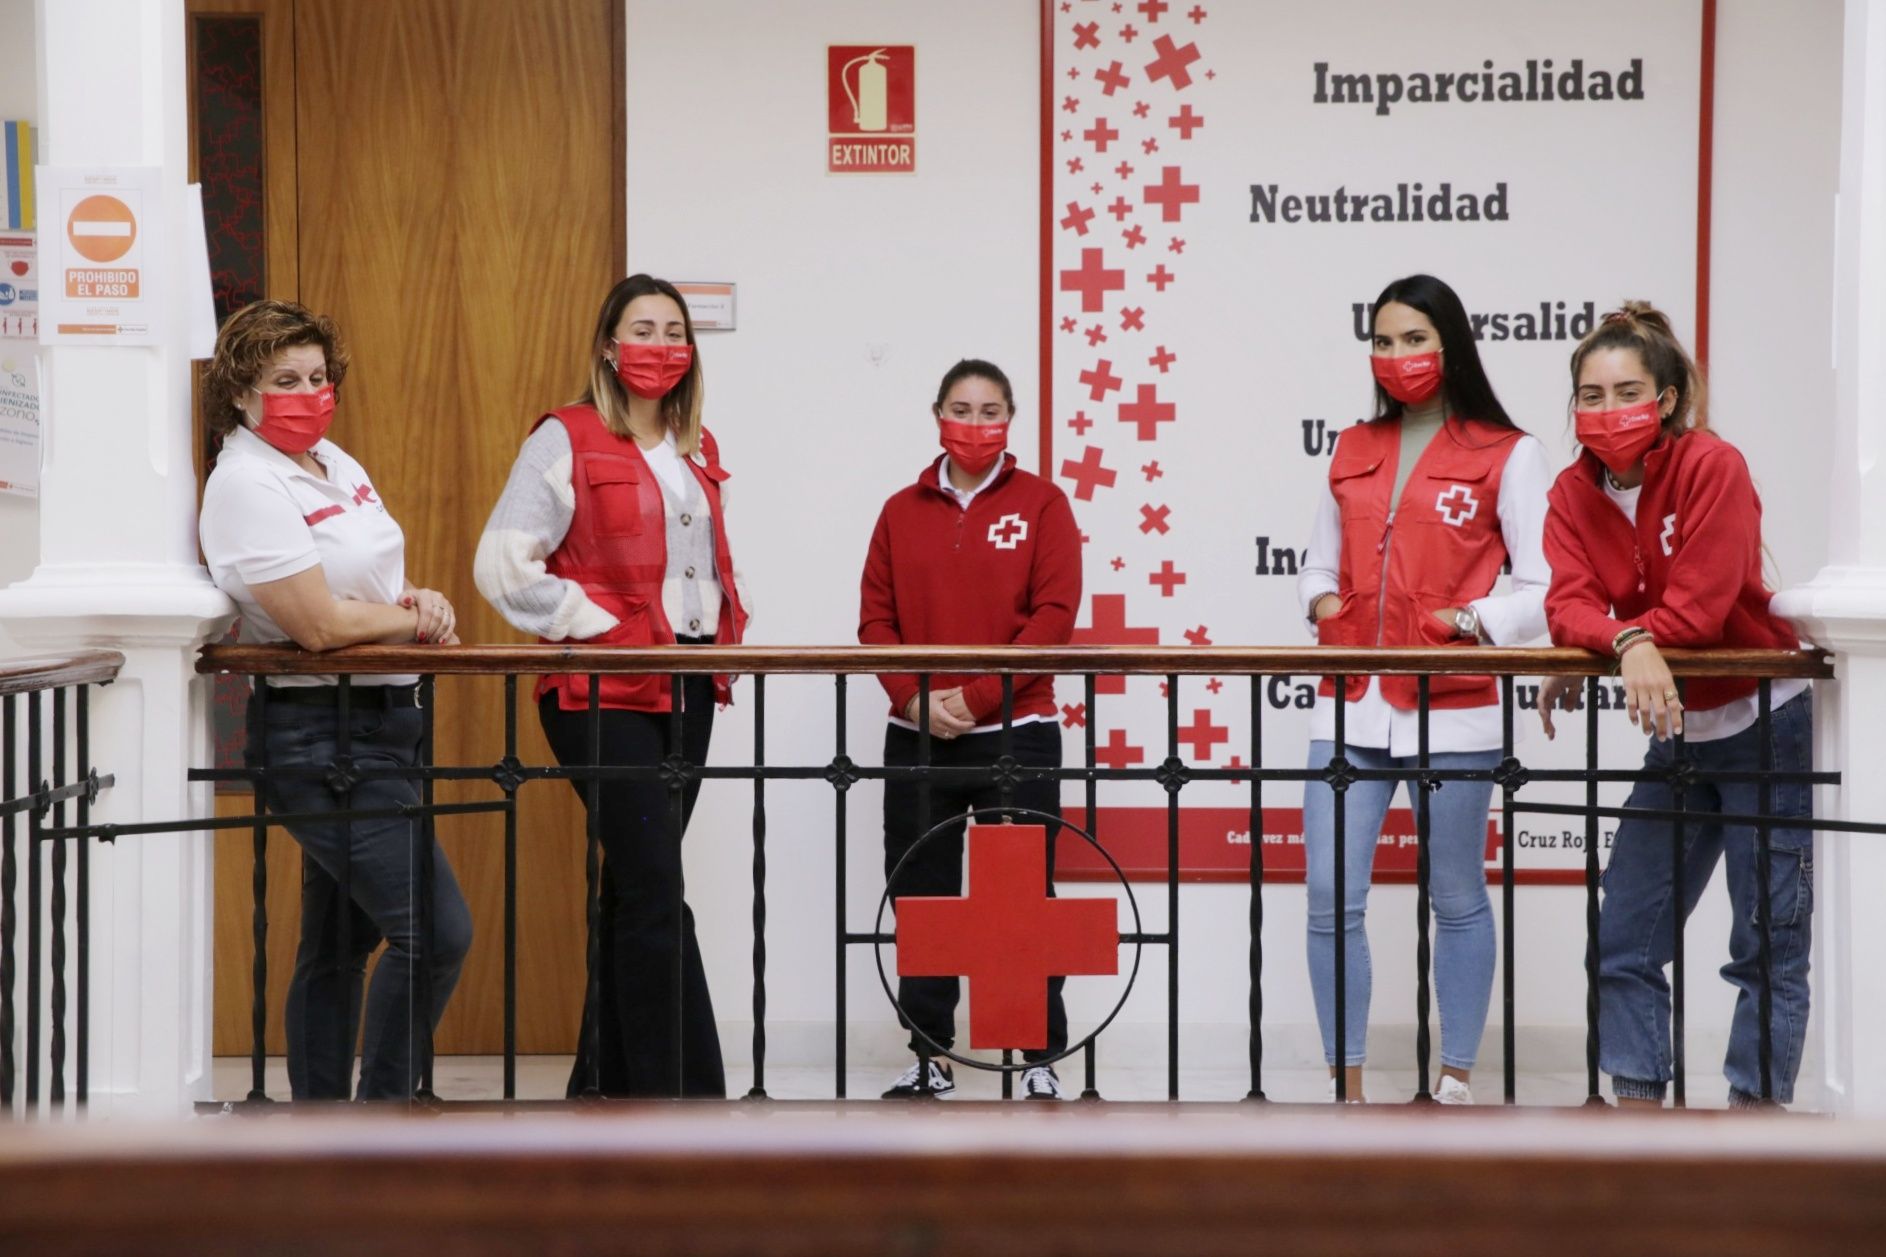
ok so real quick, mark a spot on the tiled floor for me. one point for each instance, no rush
(543, 1078)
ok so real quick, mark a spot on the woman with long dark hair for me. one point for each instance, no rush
(612, 530)
(1425, 504)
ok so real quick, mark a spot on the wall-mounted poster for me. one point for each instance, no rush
(1232, 186)
(871, 109)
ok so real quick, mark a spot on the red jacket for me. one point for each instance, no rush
(617, 550)
(1007, 571)
(1690, 571)
(1445, 548)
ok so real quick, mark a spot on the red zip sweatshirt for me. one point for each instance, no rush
(1006, 571)
(1690, 571)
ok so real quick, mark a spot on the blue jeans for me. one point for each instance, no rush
(1464, 948)
(325, 992)
(1635, 939)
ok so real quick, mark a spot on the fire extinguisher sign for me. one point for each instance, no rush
(871, 109)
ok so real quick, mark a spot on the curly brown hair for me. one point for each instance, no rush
(248, 342)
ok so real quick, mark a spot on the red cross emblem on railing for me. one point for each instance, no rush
(1007, 937)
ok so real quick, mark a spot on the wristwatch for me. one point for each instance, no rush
(1467, 623)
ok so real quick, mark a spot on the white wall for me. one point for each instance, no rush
(19, 98)
(726, 183)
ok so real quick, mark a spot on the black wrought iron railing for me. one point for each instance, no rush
(46, 767)
(508, 775)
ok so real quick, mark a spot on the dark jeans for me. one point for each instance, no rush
(937, 867)
(382, 859)
(1642, 903)
(641, 891)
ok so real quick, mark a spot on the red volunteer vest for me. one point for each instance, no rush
(617, 550)
(1444, 548)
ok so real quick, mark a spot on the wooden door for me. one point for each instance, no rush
(459, 211)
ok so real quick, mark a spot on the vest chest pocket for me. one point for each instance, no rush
(614, 492)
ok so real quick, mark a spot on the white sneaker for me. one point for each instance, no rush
(909, 1087)
(1452, 1091)
(1351, 1100)
(1041, 1083)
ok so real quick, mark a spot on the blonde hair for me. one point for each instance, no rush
(681, 408)
(1645, 330)
(249, 340)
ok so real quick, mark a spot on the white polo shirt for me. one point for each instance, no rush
(265, 518)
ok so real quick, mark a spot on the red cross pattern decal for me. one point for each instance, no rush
(1167, 578)
(1170, 194)
(1117, 752)
(1086, 35)
(1088, 474)
(1457, 505)
(1186, 121)
(1092, 280)
(1147, 412)
(1009, 532)
(1100, 134)
(1152, 9)
(1203, 734)
(1078, 216)
(1007, 936)
(1101, 380)
(1172, 62)
(1109, 628)
(1111, 79)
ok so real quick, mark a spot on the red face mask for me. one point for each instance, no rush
(973, 446)
(1410, 380)
(294, 422)
(652, 370)
(1620, 437)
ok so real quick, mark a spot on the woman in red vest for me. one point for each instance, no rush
(1655, 539)
(1425, 504)
(611, 531)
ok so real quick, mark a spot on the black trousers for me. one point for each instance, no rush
(936, 868)
(640, 894)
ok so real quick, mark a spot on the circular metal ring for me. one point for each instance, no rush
(877, 947)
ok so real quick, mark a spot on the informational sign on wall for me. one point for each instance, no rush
(710, 305)
(1232, 186)
(871, 109)
(19, 286)
(101, 256)
(19, 418)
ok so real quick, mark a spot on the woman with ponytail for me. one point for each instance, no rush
(1654, 537)
(1424, 505)
(612, 531)
(978, 552)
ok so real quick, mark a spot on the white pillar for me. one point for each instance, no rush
(118, 567)
(1844, 607)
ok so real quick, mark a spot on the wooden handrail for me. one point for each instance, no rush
(778, 1181)
(1054, 660)
(46, 672)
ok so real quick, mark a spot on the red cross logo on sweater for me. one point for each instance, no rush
(1008, 532)
(1007, 936)
(1668, 535)
(1457, 505)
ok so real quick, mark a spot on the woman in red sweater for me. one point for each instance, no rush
(1654, 536)
(978, 552)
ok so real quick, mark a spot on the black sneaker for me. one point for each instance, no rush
(911, 1085)
(1041, 1083)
